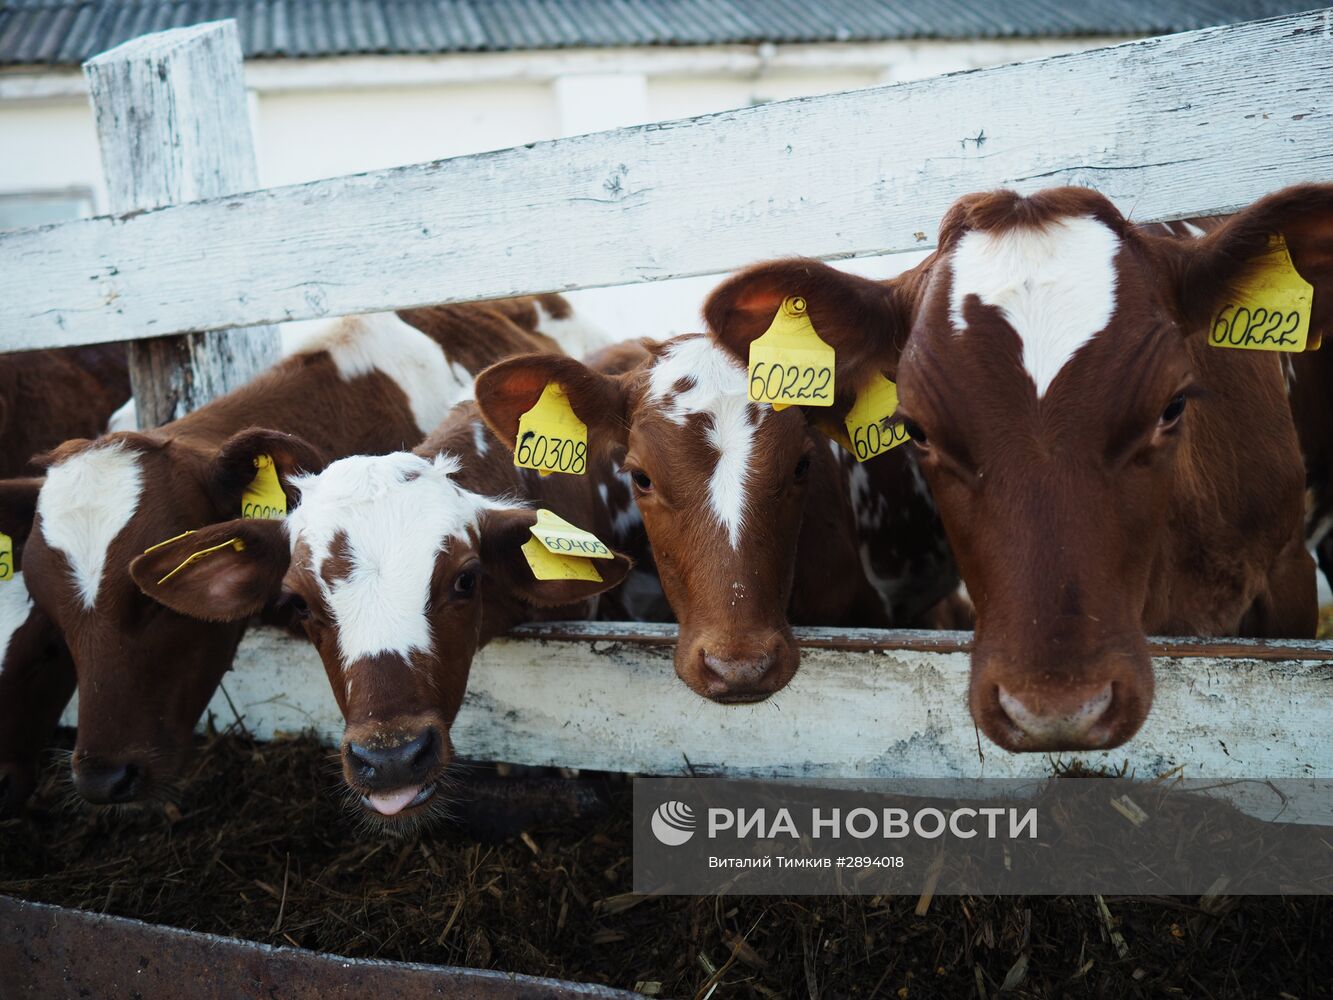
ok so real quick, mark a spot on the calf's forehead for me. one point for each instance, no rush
(1054, 285)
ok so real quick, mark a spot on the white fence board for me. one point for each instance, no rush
(613, 702)
(1191, 124)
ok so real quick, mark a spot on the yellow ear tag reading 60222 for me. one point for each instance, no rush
(551, 437)
(1268, 309)
(263, 498)
(6, 557)
(789, 364)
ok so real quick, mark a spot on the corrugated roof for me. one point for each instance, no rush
(65, 32)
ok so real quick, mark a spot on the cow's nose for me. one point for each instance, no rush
(385, 766)
(105, 783)
(1078, 720)
(739, 678)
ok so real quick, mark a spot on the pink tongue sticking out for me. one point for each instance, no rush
(392, 803)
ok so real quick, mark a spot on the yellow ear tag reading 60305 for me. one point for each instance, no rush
(551, 437)
(264, 498)
(789, 364)
(564, 539)
(6, 557)
(869, 432)
(1269, 308)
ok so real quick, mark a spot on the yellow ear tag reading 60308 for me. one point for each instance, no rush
(547, 565)
(6, 557)
(263, 498)
(551, 437)
(869, 432)
(564, 539)
(789, 364)
(1268, 309)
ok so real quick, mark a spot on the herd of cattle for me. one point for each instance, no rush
(1085, 461)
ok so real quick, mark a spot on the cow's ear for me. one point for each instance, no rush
(234, 467)
(224, 572)
(866, 322)
(1205, 271)
(18, 504)
(507, 390)
(503, 535)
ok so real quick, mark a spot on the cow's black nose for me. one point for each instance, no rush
(396, 765)
(103, 784)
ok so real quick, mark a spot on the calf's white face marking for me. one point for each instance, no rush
(1055, 286)
(394, 515)
(15, 606)
(715, 387)
(85, 502)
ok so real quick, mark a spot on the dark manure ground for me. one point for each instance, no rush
(262, 847)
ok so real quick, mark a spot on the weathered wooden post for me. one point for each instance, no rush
(173, 126)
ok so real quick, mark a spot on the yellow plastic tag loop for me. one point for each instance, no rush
(551, 437)
(789, 364)
(1269, 308)
(235, 543)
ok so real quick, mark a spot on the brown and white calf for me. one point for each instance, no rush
(371, 384)
(402, 566)
(45, 397)
(753, 519)
(1100, 469)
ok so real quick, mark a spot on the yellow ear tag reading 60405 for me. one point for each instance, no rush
(789, 364)
(547, 565)
(1269, 308)
(263, 498)
(6, 557)
(564, 539)
(551, 437)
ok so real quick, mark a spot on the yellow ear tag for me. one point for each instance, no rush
(263, 498)
(551, 437)
(564, 539)
(868, 431)
(1269, 308)
(6, 557)
(789, 364)
(193, 558)
(549, 566)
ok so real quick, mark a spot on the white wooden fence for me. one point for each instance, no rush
(1193, 124)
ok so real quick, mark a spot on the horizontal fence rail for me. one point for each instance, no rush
(864, 704)
(1192, 124)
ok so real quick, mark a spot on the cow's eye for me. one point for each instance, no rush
(641, 481)
(802, 470)
(1173, 410)
(295, 605)
(915, 432)
(465, 583)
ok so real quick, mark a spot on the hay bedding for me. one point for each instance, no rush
(260, 847)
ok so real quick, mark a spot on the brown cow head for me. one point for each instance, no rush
(145, 672)
(721, 484)
(1045, 374)
(399, 576)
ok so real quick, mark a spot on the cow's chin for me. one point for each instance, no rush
(403, 811)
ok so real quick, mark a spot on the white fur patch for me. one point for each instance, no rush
(125, 417)
(576, 335)
(382, 342)
(718, 390)
(15, 606)
(85, 503)
(479, 442)
(1055, 285)
(397, 513)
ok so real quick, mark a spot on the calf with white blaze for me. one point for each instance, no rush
(401, 567)
(747, 509)
(370, 384)
(1101, 470)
